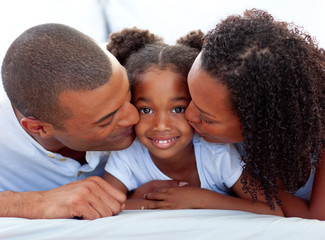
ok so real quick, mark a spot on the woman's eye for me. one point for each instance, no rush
(145, 110)
(178, 110)
(205, 120)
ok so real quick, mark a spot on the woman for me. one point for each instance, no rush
(261, 82)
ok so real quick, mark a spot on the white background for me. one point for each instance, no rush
(167, 18)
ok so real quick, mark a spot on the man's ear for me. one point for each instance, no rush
(35, 126)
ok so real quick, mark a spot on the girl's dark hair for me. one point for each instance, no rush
(275, 73)
(139, 50)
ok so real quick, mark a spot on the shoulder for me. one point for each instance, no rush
(215, 148)
(134, 151)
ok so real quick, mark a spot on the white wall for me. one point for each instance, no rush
(174, 18)
(167, 18)
(18, 15)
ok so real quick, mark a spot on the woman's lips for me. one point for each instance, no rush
(198, 133)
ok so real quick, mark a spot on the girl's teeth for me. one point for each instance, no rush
(165, 141)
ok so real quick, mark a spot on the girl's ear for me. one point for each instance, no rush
(35, 126)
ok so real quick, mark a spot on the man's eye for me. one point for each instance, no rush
(178, 110)
(106, 124)
(145, 110)
(205, 120)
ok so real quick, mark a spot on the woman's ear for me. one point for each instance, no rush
(35, 126)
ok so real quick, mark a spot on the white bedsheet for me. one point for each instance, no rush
(167, 224)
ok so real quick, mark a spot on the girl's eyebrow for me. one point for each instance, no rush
(105, 117)
(143, 99)
(179, 99)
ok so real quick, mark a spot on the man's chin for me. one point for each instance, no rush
(126, 142)
(120, 144)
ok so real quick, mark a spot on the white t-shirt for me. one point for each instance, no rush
(218, 165)
(26, 166)
(305, 191)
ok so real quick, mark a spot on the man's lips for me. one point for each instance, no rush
(127, 132)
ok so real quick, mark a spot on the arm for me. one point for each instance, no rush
(193, 197)
(246, 204)
(314, 209)
(89, 198)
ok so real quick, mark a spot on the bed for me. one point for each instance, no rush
(167, 224)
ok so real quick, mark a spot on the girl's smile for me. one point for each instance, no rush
(164, 142)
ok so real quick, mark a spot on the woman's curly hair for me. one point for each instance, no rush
(275, 73)
(139, 50)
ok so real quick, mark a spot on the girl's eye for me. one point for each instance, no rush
(178, 110)
(145, 110)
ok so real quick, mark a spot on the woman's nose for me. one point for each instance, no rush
(192, 114)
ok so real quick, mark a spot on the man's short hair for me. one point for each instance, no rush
(47, 60)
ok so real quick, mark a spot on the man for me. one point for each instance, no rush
(66, 96)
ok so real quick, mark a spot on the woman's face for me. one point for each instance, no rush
(210, 112)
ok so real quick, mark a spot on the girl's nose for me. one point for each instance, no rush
(162, 122)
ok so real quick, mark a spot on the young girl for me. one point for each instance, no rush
(166, 146)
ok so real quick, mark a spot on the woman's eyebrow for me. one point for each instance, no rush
(202, 110)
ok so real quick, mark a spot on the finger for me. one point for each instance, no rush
(123, 206)
(164, 189)
(87, 214)
(106, 208)
(154, 204)
(80, 208)
(157, 196)
(169, 183)
(99, 195)
(107, 204)
(109, 190)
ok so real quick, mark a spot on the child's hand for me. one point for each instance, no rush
(153, 186)
(186, 197)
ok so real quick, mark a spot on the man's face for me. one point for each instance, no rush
(102, 119)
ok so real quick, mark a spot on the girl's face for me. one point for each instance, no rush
(161, 97)
(210, 112)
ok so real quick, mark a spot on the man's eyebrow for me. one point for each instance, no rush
(106, 116)
(202, 110)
